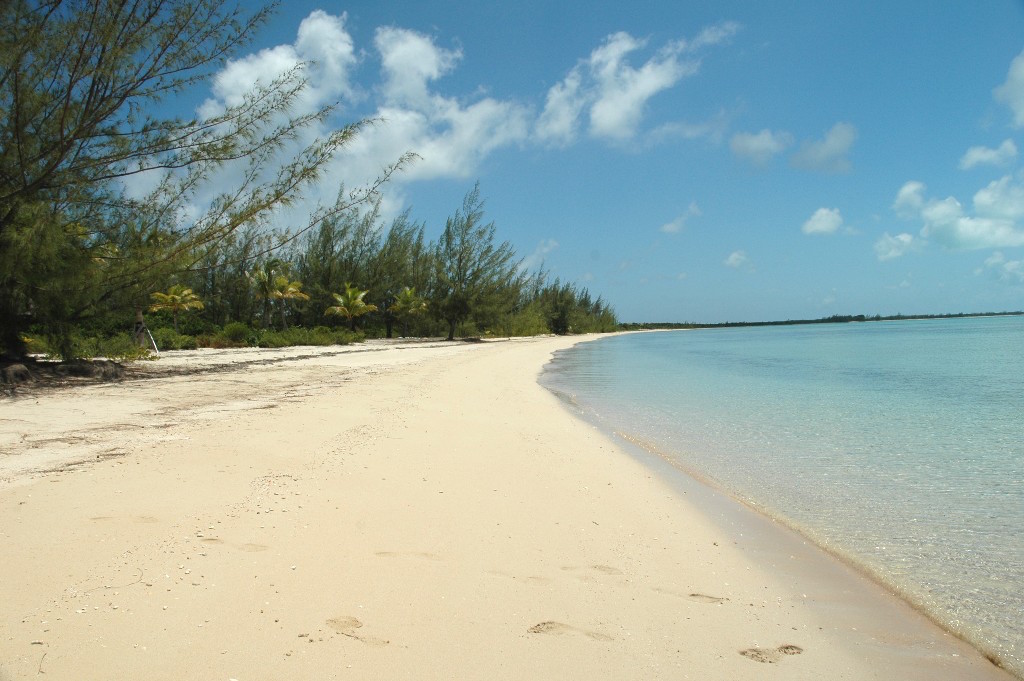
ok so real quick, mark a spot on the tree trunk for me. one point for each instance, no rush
(451, 329)
(11, 343)
(140, 329)
(284, 320)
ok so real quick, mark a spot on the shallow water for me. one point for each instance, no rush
(899, 445)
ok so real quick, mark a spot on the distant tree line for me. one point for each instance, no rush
(834, 319)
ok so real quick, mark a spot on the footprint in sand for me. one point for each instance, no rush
(699, 597)
(252, 548)
(550, 627)
(347, 626)
(771, 656)
(407, 554)
(586, 574)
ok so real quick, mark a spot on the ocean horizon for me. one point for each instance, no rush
(898, 446)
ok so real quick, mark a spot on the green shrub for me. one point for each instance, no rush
(167, 339)
(272, 339)
(237, 331)
(119, 348)
(320, 335)
(36, 344)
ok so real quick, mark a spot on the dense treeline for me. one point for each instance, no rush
(111, 210)
(834, 319)
(385, 277)
(354, 275)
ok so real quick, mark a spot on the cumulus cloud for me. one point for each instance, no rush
(909, 199)
(451, 135)
(824, 221)
(1011, 92)
(611, 93)
(736, 259)
(679, 222)
(994, 223)
(562, 110)
(1010, 271)
(1002, 198)
(888, 247)
(410, 61)
(829, 154)
(606, 95)
(623, 91)
(760, 147)
(713, 129)
(1000, 156)
(536, 258)
(322, 43)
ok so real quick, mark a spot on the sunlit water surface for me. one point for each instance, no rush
(897, 444)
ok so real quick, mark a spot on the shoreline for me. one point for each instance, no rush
(673, 466)
(749, 514)
(435, 515)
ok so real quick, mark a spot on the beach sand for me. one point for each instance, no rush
(401, 511)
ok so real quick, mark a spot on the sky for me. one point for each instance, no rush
(692, 161)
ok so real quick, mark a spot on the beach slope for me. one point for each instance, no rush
(398, 512)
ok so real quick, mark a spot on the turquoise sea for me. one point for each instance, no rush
(897, 445)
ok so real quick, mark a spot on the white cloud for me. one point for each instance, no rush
(909, 199)
(713, 129)
(760, 147)
(824, 221)
(735, 259)
(536, 258)
(1002, 155)
(623, 91)
(679, 223)
(888, 247)
(612, 93)
(1010, 271)
(998, 209)
(451, 137)
(1011, 92)
(1002, 198)
(828, 155)
(322, 44)
(410, 61)
(322, 38)
(562, 110)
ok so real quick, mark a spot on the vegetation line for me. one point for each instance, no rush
(834, 319)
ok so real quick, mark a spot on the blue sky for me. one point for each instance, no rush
(713, 161)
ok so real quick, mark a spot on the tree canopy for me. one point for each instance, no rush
(81, 83)
(474, 276)
(108, 200)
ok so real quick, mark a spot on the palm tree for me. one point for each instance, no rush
(350, 305)
(177, 299)
(285, 290)
(264, 278)
(407, 304)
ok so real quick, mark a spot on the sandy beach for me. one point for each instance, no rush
(401, 511)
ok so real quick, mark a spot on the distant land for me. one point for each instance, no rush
(834, 319)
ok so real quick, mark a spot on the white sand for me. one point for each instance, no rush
(401, 512)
